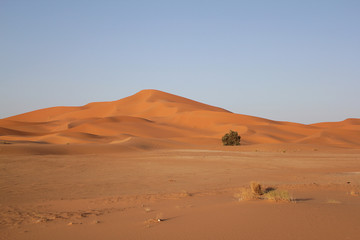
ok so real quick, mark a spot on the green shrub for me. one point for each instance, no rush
(231, 139)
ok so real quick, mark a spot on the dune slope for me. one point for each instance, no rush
(157, 117)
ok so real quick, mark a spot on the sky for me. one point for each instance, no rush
(285, 60)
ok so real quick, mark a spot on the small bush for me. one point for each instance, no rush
(278, 196)
(256, 188)
(252, 193)
(256, 192)
(231, 139)
(245, 194)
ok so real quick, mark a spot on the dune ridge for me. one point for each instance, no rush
(152, 117)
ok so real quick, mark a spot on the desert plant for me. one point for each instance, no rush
(278, 196)
(256, 189)
(185, 194)
(245, 194)
(333, 201)
(231, 138)
(256, 192)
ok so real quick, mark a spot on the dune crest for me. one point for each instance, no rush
(159, 118)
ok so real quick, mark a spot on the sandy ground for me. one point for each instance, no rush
(111, 170)
(121, 195)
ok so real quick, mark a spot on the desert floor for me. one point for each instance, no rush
(120, 195)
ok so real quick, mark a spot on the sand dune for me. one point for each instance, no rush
(163, 117)
(87, 173)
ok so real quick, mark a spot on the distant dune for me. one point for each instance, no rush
(152, 117)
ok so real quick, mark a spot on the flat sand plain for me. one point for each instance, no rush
(121, 194)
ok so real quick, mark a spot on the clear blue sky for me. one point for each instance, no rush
(283, 60)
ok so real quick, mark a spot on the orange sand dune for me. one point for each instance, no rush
(97, 178)
(155, 116)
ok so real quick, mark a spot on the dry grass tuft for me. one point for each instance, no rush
(278, 196)
(185, 194)
(256, 188)
(256, 192)
(332, 201)
(147, 209)
(245, 194)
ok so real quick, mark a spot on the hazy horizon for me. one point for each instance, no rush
(289, 61)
